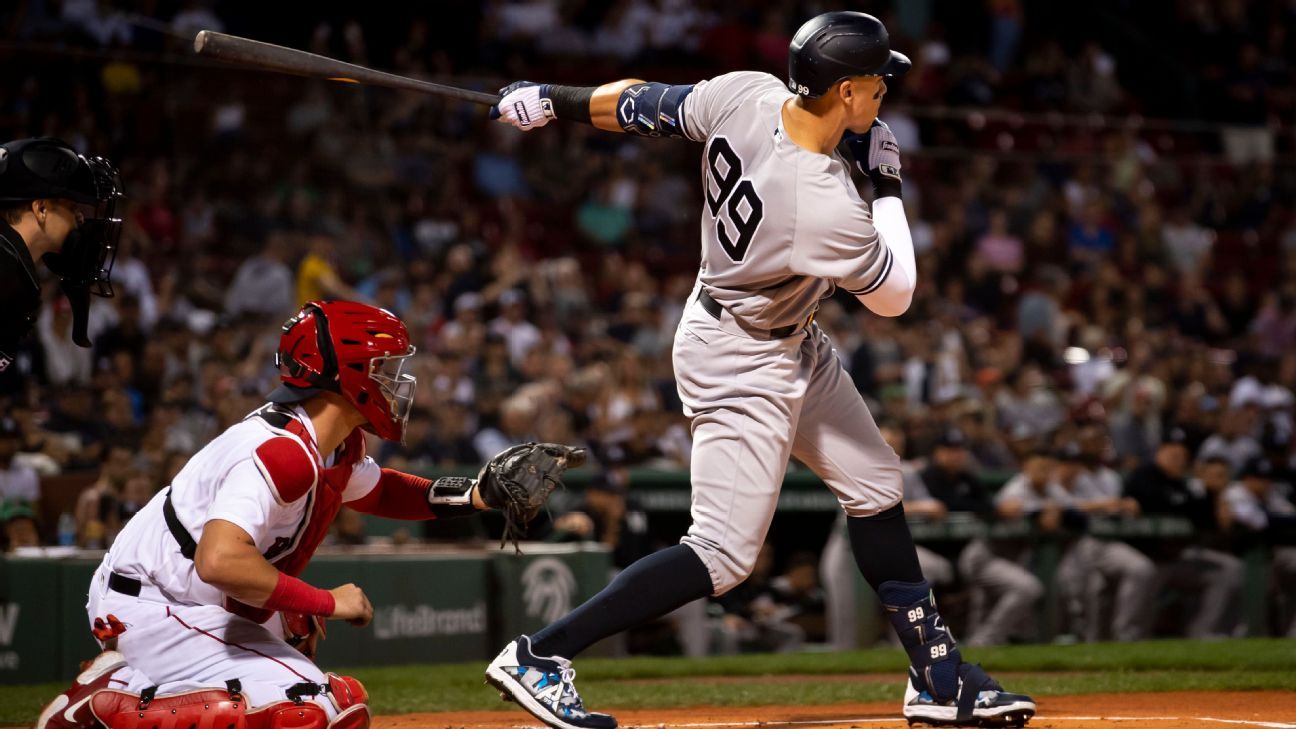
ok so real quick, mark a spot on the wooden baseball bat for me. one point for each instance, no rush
(249, 52)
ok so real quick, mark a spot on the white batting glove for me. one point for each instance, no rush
(524, 105)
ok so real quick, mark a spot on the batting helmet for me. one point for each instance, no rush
(355, 350)
(838, 45)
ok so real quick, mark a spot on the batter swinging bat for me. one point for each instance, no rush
(234, 49)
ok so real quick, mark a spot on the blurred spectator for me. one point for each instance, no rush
(263, 284)
(19, 483)
(65, 362)
(1090, 566)
(517, 424)
(1233, 442)
(1007, 588)
(20, 528)
(1256, 505)
(519, 334)
(1203, 569)
(317, 276)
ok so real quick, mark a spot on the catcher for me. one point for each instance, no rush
(198, 604)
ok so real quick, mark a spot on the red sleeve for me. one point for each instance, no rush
(397, 496)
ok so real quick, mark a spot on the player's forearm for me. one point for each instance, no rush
(892, 295)
(593, 105)
(400, 495)
(603, 104)
(235, 568)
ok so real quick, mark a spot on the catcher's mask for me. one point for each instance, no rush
(48, 168)
(355, 350)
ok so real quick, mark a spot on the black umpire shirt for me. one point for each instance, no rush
(19, 293)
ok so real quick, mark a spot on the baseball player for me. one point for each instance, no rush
(194, 600)
(782, 228)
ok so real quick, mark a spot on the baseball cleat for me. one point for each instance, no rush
(543, 686)
(989, 706)
(71, 709)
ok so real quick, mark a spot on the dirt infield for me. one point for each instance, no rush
(1271, 709)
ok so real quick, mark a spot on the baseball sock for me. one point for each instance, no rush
(647, 589)
(883, 547)
(884, 550)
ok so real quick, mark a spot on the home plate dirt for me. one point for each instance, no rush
(1272, 709)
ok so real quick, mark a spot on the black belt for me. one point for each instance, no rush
(123, 584)
(714, 308)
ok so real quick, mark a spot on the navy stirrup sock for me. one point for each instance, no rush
(647, 589)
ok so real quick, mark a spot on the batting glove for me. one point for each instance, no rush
(524, 104)
(877, 155)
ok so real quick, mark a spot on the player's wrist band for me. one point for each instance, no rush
(571, 103)
(294, 595)
(451, 496)
(884, 185)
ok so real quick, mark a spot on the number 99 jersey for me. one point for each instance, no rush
(782, 227)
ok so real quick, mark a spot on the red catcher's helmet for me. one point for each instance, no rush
(355, 350)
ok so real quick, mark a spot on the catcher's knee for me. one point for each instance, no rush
(345, 692)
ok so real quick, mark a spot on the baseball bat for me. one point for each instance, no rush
(233, 48)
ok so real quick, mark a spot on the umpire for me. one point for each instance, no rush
(60, 207)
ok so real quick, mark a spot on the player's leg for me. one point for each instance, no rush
(229, 706)
(1011, 588)
(837, 438)
(741, 395)
(838, 573)
(185, 648)
(1217, 576)
(1133, 573)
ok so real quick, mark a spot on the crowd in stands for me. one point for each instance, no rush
(1098, 292)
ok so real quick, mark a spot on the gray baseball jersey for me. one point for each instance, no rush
(782, 226)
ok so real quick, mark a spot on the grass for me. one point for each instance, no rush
(667, 682)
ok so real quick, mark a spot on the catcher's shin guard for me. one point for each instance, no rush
(213, 709)
(70, 709)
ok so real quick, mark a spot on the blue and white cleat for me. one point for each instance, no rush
(981, 701)
(542, 686)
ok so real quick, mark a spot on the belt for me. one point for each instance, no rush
(714, 308)
(123, 584)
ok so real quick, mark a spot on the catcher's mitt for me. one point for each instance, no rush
(519, 480)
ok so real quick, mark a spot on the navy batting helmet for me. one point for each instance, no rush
(834, 46)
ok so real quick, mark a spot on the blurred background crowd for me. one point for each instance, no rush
(1101, 199)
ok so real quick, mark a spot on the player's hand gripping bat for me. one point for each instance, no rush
(233, 49)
